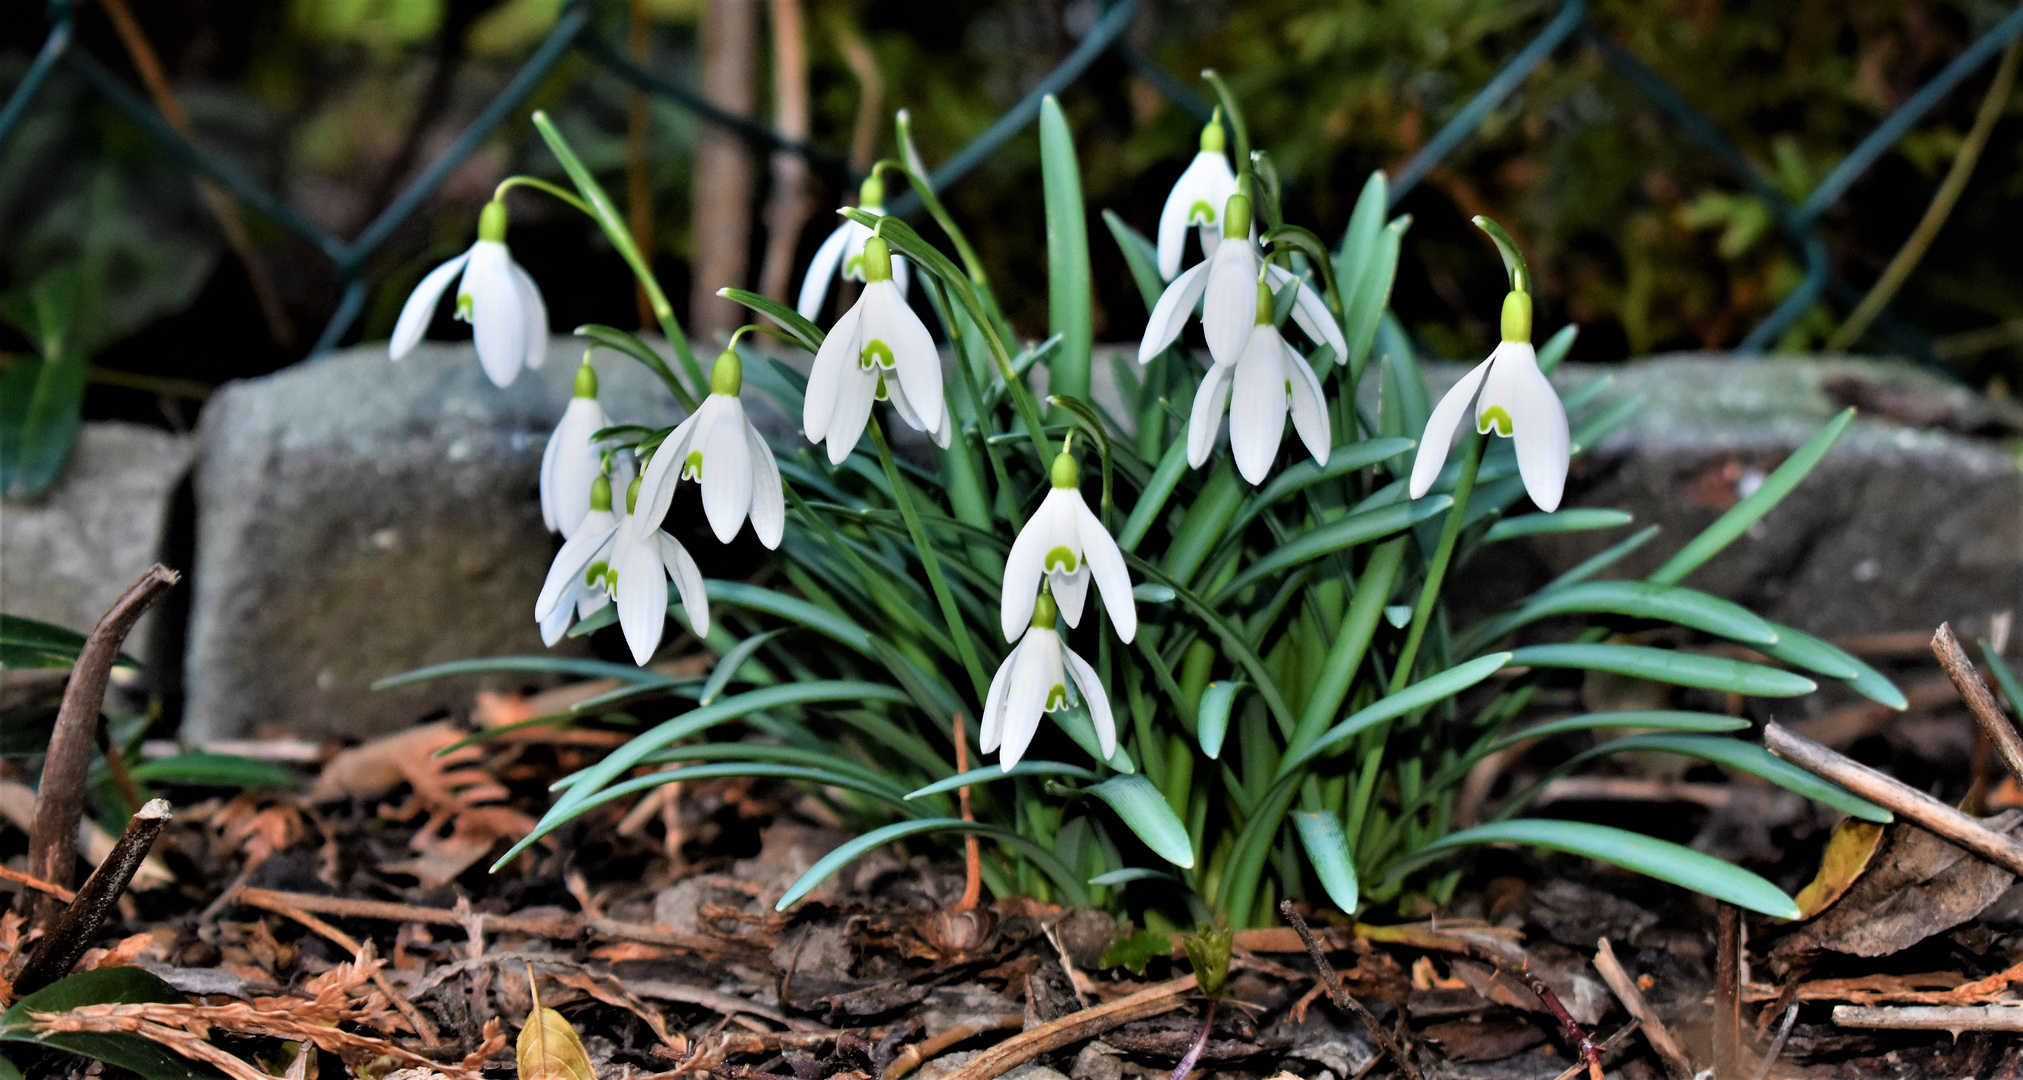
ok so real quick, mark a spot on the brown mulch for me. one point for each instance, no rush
(358, 914)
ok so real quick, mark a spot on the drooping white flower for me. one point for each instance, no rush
(1067, 544)
(629, 559)
(1034, 680)
(1197, 197)
(571, 462)
(577, 584)
(1266, 382)
(1225, 287)
(842, 254)
(720, 449)
(1516, 401)
(879, 349)
(502, 304)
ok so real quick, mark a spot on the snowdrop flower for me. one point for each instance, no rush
(1225, 286)
(494, 295)
(580, 592)
(1033, 680)
(1202, 191)
(1516, 401)
(1068, 545)
(719, 449)
(879, 349)
(571, 463)
(628, 559)
(1266, 382)
(843, 253)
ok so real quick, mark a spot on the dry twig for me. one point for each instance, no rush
(1073, 1028)
(66, 941)
(1980, 700)
(1728, 990)
(1344, 1000)
(926, 1049)
(1677, 1064)
(1953, 1018)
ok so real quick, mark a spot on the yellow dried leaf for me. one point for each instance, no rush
(1847, 854)
(549, 1049)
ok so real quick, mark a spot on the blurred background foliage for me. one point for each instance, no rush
(1637, 232)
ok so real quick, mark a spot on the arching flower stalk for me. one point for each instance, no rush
(1268, 381)
(841, 256)
(1034, 681)
(571, 463)
(1516, 400)
(878, 350)
(720, 450)
(497, 297)
(1197, 199)
(1065, 543)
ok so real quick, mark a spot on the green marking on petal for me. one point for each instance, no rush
(1061, 558)
(691, 469)
(881, 394)
(596, 572)
(853, 267)
(876, 352)
(464, 304)
(1057, 698)
(1497, 418)
(1201, 213)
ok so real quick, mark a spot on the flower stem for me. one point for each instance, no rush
(957, 631)
(1436, 571)
(538, 184)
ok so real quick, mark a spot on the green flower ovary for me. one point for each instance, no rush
(1496, 417)
(1057, 698)
(1061, 558)
(1045, 611)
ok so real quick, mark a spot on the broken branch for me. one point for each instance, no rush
(1677, 1064)
(1953, 1018)
(1980, 700)
(72, 934)
(1344, 1000)
(1073, 1028)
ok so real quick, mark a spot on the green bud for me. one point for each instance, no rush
(1065, 473)
(586, 380)
(1267, 304)
(600, 494)
(728, 376)
(1517, 316)
(632, 494)
(492, 222)
(1208, 950)
(1045, 612)
(871, 193)
(1212, 139)
(1236, 216)
(877, 260)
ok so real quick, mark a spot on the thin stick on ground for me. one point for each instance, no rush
(1346, 1001)
(342, 940)
(1589, 1051)
(71, 935)
(1075, 1027)
(910, 1058)
(1728, 991)
(59, 800)
(1895, 795)
(1608, 1047)
(1980, 700)
(39, 885)
(1777, 1044)
(1677, 1064)
(1930, 1017)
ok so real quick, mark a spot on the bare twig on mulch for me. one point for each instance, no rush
(60, 949)
(1727, 990)
(1074, 1028)
(1589, 1051)
(1979, 698)
(1953, 1018)
(1677, 1064)
(1346, 1001)
(1608, 1046)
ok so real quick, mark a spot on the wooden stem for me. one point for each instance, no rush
(66, 941)
(787, 210)
(1728, 993)
(1980, 700)
(1344, 1000)
(1931, 1017)
(1900, 798)
(1074, 1028)
(1677, 1064)
(59, 801)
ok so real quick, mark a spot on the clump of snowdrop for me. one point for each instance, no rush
(1034, 681)
(1515, 400)
(1066, 543)
(720, 450)
(841, 256)
(494, 294)
(628, 559)
(879, 350)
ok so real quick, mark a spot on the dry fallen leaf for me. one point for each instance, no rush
(1916, 885)
(1847, 854)
(549, 1048)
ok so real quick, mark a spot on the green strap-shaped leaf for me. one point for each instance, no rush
(27, 643)
(1749, 758)
(799, 330)
(1360, 527)
(1141, 255)
(878, 788)
(1391, 706)
(2004, 676)
(1646, 855)
(1751, 509)
(214, 770)
(1328, 850)
(1130, 874)
(1069, 883)
(1076, 723)
(1068, 301)
(1643, 600)
(1152, 500)
(1555, 349)
(1663, 719)
(1800, 649)
(1563, 521)
(1668, 666)
(1212, 718)
(791, 608)
(1363, 315)
(987, 773)
(555, 665)
(1342, 461)
(771, 753)
(1139, 803)
(728, 666)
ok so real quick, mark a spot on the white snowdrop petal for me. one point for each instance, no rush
(497, 323)
(888, 319)
(1026, 698)
(1106, 565)
(575, 463)
(1071, 592)
(902, 275)
(548, 500)
(1098, 700)
(420, 309)
(1170, 312)
(1022, 568)
(853, 410)
(834, 362)
(575, 557)
(663, 470)
(992, 730)
(1543, 441)
(726, 471)
(1310, 313)
(1204, 420)
(687, 582)
(1439, 434)
(641, 592)
(821, 271)
(557, 622)
(1229, 307)
(534, 310)
(1257, 407)
(769, 501)
(1309, 409)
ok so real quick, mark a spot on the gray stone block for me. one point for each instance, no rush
(357, 518)
(66, 557)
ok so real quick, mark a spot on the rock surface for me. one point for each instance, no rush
(357, 518)
(66, 557)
